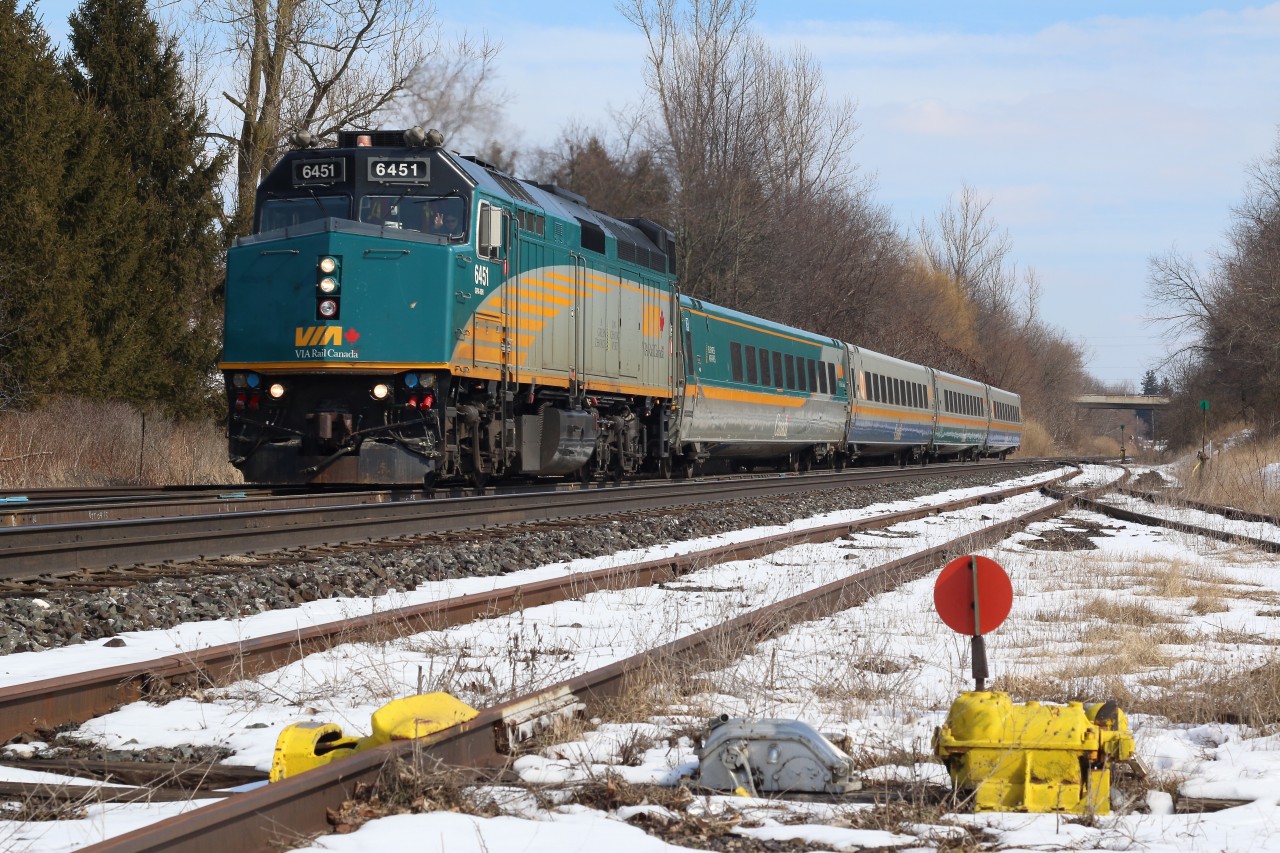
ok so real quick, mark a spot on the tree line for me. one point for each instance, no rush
(128, 187)
(124, 189)
(743, 151)
(109, 254)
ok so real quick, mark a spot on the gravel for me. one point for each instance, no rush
(278, 581)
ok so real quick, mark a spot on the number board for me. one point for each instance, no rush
(319, 171)
(400, 170)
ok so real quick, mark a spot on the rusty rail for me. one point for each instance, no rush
(34, 551)
(296, 808)
(54, 702)
(1230, 512)
(1169, 524)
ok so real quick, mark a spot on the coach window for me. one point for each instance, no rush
(831, 377)
(777, 369)
(735, 360)
(813, 374)
(822, 377)
(800, 380)
(791, 370)
(765, 377)
(752, 375)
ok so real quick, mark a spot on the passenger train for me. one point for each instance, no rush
(402, 314)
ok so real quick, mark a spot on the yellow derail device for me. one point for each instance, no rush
(1029, 757)
(303, 746)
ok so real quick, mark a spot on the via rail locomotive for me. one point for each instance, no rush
(402, 314)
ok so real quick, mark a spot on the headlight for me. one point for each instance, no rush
(328, 284)
(328, 264)
(276, 390)
(381, 391)
(328, 308)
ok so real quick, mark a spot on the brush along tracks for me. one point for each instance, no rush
(297, 807)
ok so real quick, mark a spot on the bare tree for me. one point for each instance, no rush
(615, 172)
(316, 64)
(748, 135)
(456, 91)
(1182, 300)
(968, 245)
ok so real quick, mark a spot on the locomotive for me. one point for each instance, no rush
(402, 314)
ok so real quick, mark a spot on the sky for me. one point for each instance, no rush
(1104, 133)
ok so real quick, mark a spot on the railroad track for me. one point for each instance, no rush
(297, 807)
(55, 702)
(61, 701)
(240, 525)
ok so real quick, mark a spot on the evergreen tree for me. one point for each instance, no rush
(1150, 383)
(160, 274)
(46, 259)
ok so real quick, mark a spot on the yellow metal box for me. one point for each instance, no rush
(1033, 757)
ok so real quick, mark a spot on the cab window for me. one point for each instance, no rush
(444, 217)
(287, 212)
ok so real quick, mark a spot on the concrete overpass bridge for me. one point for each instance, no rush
(1121, 401)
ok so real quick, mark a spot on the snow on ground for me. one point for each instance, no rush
(1207, 520)
(493, 659)
(178, 641)
(881, 676)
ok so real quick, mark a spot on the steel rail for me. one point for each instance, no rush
(294, 809)
(167, 506)
(1230, 512)
(34, 552)
(1122, 514)
(53, 702)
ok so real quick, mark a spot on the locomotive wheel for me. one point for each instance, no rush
(664, 467)
(479, 479)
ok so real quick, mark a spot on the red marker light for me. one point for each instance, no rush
(254, 401)
(427, 400)
(240, 402)
(412, 402)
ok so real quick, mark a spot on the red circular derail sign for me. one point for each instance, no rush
(953, 594)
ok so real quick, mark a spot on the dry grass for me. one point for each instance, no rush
(1134, 612)
(1036, 440)
(76, 442)
(1234, 477)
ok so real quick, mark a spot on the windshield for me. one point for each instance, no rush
(445, 217)
(284, 212)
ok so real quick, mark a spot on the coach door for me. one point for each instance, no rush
(491, 344)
